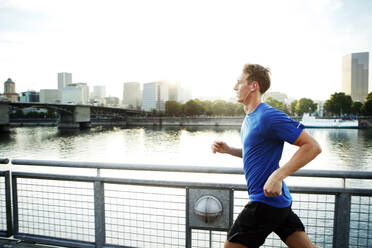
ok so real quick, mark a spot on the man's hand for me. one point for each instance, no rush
(220, 146)
(273, 185)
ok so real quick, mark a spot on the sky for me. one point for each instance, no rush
(201, 43)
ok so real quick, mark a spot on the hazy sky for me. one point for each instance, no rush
(202, 43)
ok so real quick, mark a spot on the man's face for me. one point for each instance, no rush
(242, 88)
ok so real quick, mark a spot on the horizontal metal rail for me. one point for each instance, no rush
(180, 184)
(4, 161)
(189, 169)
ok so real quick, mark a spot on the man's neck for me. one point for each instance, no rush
(251, 105)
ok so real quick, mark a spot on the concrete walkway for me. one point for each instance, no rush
(10, 243)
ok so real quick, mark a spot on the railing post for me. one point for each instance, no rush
(188, 230)
(99, 213)
(8, 204)
(15, 205)
(341, 227)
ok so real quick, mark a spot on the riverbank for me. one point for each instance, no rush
(170, 121)
(185, 121)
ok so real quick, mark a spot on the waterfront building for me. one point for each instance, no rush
(85, 89)
(281, 97)
(355, 67)
(112, 101)
(9, 91)
(64, 79)
(29, 96)
(50, 96)
(72, 94)
(99, 92)
(175, 91)
(132, 95)
(185, 95)
(155, 94)
(178, 93)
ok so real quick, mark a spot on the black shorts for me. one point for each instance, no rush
(258, 220)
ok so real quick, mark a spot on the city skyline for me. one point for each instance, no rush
(201, 44)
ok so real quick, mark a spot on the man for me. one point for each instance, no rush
(263, 133)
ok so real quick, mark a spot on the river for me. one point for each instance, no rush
(343, 149)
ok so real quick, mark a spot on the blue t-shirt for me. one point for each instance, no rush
(263, 134)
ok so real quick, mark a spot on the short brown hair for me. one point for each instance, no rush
(259, 74)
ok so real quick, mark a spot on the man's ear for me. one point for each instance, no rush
(254, 85)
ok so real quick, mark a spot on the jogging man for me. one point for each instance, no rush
(263, 133)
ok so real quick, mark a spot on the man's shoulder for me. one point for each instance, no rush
(268, 111)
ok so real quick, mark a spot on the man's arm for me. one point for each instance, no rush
(307, 151)
(222, 147)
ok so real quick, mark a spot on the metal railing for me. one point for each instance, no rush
(95, 211)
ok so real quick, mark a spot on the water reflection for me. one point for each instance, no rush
(342, 149)
(351, 147)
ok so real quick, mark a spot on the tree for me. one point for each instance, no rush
(230, 109)
(193, 108)
(274, 103)
(219, 107)
(305, 105)
(51, 113)
(277, 104)
(239, 109)
(338, 104)
(18, 114)
(173, 108)
(356, 108)
(207, 107)
(367, 106)
(293, 107)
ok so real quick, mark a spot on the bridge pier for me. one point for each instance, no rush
(4, 118)
(79, 118)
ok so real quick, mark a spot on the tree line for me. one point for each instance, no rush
(197, 107)
(339, 104)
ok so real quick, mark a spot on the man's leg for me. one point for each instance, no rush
(229, 244)
(299, 239)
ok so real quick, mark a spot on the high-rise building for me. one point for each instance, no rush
(85, 88)
(175, 91)
(355, 75)
(185, 95)
(29, 96)
(111, 101)
(64, 79)
(72, 94)
(9, 86)
(99, 91)
(155, 95)
(132, 95)
(50, 96)
(9, 91)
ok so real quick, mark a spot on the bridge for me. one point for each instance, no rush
(72, 116)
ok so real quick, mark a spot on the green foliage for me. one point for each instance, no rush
(193, 107)
(51, 113)
(356, 108)
(367, 106)
(275, 103)
(34, 114)
(219, 107)
(173, 108)
(19, 114)
(338, 104)
(293, 107)
(197, 107)
(305, 105)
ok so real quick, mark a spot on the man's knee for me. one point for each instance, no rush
(299, 239)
